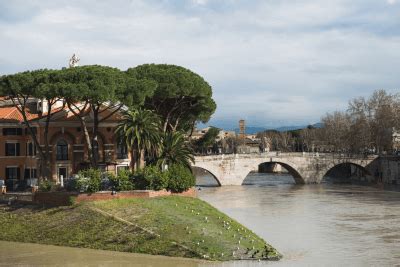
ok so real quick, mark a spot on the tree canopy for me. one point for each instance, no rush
(102, 91)
(178, 96)
(21, 88)
(181, 97)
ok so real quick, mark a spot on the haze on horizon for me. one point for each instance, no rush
(273, 63)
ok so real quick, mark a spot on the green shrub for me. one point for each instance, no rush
(180, 178)
(123, 181)
(46, 185)
(72, 200)
(151, 178)
(89, 180)
(71, 185)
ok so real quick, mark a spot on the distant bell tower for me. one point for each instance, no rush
(242, 129)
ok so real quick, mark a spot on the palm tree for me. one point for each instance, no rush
(175, 150)
(140, 129)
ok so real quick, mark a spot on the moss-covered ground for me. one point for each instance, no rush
(171, 226)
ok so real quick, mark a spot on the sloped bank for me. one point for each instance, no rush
(171, 226)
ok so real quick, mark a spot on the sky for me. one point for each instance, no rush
(270, 62)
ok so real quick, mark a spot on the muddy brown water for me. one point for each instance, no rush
(313, 225)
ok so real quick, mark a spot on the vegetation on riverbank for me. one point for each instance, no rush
(172, 226)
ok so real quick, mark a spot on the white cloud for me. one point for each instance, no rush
(278, 61)
(200, 2)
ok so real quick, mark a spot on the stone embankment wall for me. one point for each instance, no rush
(388, 172)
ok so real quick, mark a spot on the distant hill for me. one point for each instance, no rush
(256, 129)
(252, 129)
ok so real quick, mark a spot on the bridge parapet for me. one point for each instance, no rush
(328, 156)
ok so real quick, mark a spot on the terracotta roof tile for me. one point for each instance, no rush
(11, 114)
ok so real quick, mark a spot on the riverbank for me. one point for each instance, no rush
(170, 226)
(28, 254)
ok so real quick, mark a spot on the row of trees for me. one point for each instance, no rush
(157, 101)
(365, 127)
(368, 124)
(295, 140)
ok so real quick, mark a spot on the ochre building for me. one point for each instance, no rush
(19, 158)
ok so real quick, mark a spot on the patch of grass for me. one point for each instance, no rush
(172, 226)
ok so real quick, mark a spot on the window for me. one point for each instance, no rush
(30, 149)
(12, 149)
(12, 173)
(122, 151)
(30, 173)
(12, 131)
(62, 150)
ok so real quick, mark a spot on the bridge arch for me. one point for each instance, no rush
(208, 171)
(290, 167)
(331, 167)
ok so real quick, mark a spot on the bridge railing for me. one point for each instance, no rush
(296, 154)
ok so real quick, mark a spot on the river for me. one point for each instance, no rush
(312, 225)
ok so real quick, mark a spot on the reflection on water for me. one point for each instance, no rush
(312, 225)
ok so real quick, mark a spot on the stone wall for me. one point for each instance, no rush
(388, 172)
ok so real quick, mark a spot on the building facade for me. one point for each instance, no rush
(18, 155)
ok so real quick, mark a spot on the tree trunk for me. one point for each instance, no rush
(141, 159)
(22, 109)
(88, 143)
(81, 117)
(47, 156)
(132, 164)
(139, 162)
(94, 141)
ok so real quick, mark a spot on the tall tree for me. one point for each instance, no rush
(207, 140)
(24, 90)
(95, 93)
(175, 150)
(139, 129)
(181, 98)
(336, 130)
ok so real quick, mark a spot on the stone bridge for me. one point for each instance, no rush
(306, 168)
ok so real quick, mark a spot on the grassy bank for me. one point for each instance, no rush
(172, 226)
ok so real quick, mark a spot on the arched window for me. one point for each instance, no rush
(62, 150)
